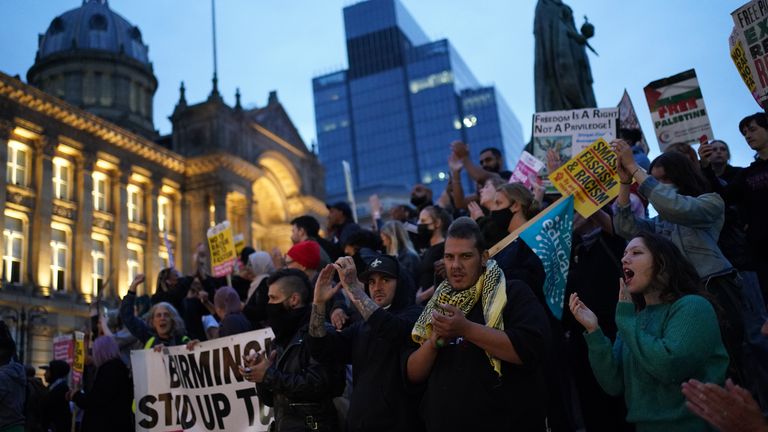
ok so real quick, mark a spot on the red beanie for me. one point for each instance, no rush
(306, 253)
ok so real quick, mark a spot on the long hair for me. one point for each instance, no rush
(105, 349)
(178, 329)
(399, 240)
(162, 278)
(679, 170)
(673, 276)
(518, 193)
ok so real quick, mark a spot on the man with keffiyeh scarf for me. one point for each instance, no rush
(482, 340)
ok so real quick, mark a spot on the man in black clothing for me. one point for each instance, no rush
(57, 408)
(380, 400)
(483, 339)
(305, 228)
(299, 388)
(341, 225)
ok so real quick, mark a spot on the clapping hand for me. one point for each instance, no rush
(582, 313)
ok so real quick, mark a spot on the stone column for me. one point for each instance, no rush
(6, 128)
(119, 200)
(192, 226)
(83, 244)
(40, 226)
(152, 262)
(248, 218)
(180, 247)
(219, 199)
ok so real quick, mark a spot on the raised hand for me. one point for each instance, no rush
(324, 289)
(624, 296)
(582, 313)
(460, 150)
(475, 212)
(705, 152)
(625, 160)
(345, 266)
(553, 160)
(454, 163)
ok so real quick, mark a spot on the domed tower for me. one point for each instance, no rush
(95, 59)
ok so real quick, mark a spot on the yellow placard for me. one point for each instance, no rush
(78, 364)
(590, 177)
(222, 247)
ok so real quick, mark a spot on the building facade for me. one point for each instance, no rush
(93, 196)
(393, 113)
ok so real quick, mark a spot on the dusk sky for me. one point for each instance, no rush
(281, 44)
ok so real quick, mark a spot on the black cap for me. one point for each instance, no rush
(343, 207)
(382, 264)
(58, 368)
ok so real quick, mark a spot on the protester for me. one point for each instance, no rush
(433, 223)
(341, 225)
(168, 288)
(667, 333)
(229, 310)
(594, 268)
(107, 403)
(13, 381)
(482, 339)
(692, 220)
(35, 400)
(304, 256)
(255, 308)
(305, 228)
(380, 399)
(58, 414)
(483, 211)
(729, 409)
(164, 327)
(396, 243)
(421, 197)
(634, 138)
(289, 379)
(491, 162)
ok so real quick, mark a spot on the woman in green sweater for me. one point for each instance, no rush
(666, 335)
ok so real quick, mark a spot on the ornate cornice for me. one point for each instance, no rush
(78, 119)
(213, 161)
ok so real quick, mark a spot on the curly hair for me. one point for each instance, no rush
(178, 330)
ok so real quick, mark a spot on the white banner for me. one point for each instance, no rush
(199, 390)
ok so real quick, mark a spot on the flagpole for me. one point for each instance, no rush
(516, 233)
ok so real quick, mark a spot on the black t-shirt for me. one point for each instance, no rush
(465, 393)
(427, 276)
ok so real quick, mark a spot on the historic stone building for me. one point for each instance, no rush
(93, 195)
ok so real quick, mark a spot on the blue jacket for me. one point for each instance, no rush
(692, 223)
(13, 382)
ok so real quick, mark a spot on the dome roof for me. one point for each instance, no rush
(93, 26)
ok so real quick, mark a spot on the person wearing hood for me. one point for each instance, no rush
(13, 381)
(59, 417)
(373, 346)
(260, 266)
(289, 379)
(229, 310)
(341, 225)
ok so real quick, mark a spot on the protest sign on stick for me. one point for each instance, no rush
(202, 389)
(590, 176)
(569, 132)
(527, 167)
(748, 46)
(677, 110)
(222, 247)
(628, 119)
(78, 363)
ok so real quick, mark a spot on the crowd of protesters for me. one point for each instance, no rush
(411, 325)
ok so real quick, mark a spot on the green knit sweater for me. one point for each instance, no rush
(656, 350)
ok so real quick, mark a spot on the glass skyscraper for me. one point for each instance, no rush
(393, 113)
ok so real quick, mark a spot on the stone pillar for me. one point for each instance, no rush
(248, 218)
(83, 244)
(119, 199)
(192, 226)
(152, 262)
(180, 247)
(219, 199)
(40, 226)
(6, 127)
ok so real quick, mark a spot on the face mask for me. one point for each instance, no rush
(419, 200)
(501, 218)
(284, 321)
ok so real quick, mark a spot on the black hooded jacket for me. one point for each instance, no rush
(381, 399)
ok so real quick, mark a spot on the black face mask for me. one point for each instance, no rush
(501, 218)
(423, 235)
(284, 321)
(419, 200)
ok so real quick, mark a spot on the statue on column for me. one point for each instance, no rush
(563, 79)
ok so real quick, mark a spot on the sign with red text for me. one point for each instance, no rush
(527, 170)
(677, 110)
(590, 177)
(201, 389)
(222, 247)
(748, 44)
(78, 363)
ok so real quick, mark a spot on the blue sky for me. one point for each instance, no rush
(281, 44)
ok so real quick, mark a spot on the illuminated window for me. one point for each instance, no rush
(100, 186)
(134, 203)
(14, 247)
(18, 161)
(61, 179)
(135, 253)
(59, 252)
(164, 258)
(99, 271)
(163, 213)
